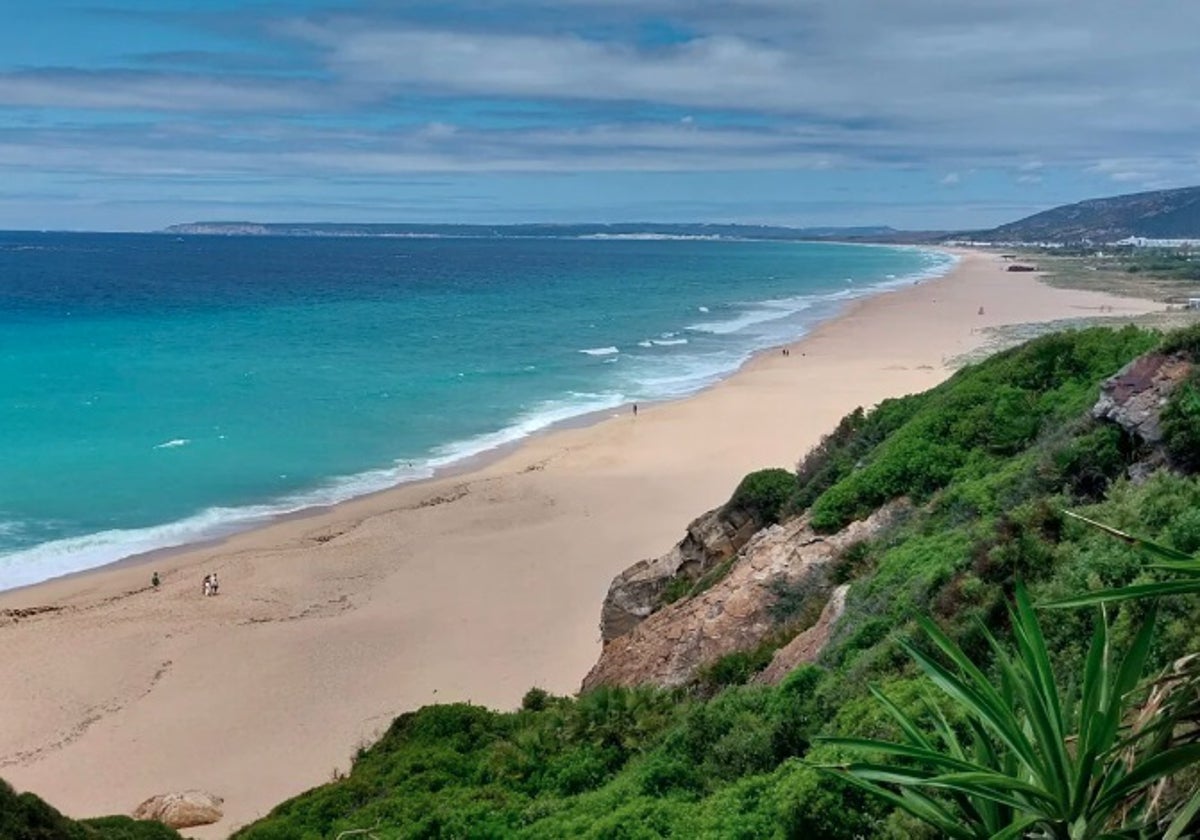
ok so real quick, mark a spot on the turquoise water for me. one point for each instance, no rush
(155, 390)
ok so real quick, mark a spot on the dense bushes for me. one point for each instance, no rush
(982, 416)
(1181, 424)
(998, 452)
(839, 453)
(763, 494)
(26, 817)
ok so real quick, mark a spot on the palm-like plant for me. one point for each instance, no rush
(1182, 578)
(1037, 759)
(1171, 715)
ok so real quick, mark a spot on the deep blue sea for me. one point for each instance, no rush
(156, 390)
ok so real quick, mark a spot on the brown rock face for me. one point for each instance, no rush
(181, 810)
(805, 648)
(1134, 398)
(672, 644)
(637, 592)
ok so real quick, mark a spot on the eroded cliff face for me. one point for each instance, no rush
(736, 613)
(639, 590)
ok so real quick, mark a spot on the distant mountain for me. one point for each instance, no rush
(628, 230)
(1162, 214)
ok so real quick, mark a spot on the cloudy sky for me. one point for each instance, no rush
(135, 114)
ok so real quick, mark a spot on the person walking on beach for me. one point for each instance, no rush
(213, 584)
(154, 581)
(635, 409)
(207, 585)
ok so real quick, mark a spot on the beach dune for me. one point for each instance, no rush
(472, 587)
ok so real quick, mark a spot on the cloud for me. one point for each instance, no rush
(979, 82)
(924, 82)
(366, 90)
(1150, 173)
(554, 67)
(124, 90)
(174, 149)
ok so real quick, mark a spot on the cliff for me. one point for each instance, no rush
(778, 576)
(650, 641)
(643, 588)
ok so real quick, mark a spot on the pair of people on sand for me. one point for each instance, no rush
(210, 584)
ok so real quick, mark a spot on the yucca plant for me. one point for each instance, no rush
(1171, 714)
(1182, 571)
(1037, 759)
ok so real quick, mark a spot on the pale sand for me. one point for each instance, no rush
(473, 587)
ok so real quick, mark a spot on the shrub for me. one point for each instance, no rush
(851, 563)
(662, 774)
(732, 669)
(1184, 532)
(1186, 340)
(1085, 464)
(798, 603)
(1181, 424)
(535, 699)
(762, 494)
(27, 817)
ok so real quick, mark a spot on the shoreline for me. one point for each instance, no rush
(480, 460)
(466, 587)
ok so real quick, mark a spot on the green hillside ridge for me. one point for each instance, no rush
(1160, 214)
(992, 458)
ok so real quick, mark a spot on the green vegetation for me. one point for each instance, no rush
(682, 587)
(968, 427)
(763, 494)
(1164, 263)
(1170, 275)
(992, 458)
(1181, 424)
(26, 817)
(1054, 757)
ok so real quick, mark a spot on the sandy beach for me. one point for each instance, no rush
(471, 587)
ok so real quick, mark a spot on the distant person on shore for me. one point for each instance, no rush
(154, 580)
(212, 584)
(207, 585)
(635, 409)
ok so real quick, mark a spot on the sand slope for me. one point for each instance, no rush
(472, 587)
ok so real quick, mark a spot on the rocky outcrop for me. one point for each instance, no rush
(181, 810)
(638, 591)
(1134, 398)
(806, 647)
(736, 613)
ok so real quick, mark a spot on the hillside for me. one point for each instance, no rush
(1162, 214)
(972, 478)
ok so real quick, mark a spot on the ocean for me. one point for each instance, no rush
(158, 390)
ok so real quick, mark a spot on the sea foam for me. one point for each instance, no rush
(665, 350)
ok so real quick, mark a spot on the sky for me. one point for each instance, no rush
(919, 114)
